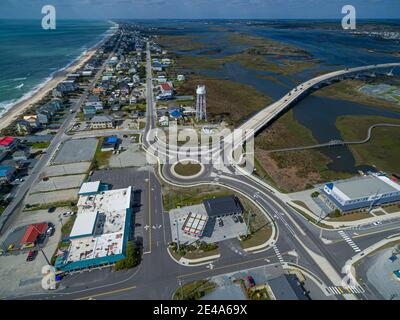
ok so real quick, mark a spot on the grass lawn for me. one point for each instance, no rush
(352, 217)
(392, 209)
(194, 290)
(40, 145)
(187, 197)
(189, 169)
(101, 159)
(311, 219)
(382, 151)
(196, 254)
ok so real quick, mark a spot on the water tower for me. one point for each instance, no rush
(201, 104)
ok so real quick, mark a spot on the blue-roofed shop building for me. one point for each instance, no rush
(364, 192)
(6, 173)
(101, 229)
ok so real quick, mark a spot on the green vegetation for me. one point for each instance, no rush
(132, 259)
(188, 169)
(293, 170)
(196, 250)
(260, 229)
(258, 294)
(40, 145)
(101, 158)
(175, 198)
(353, 216)
(382, 151)
(194, 290)
(348, 90)
(315, 194)
(242, 100)
(58, 204)
(182, 43)
(311, 219)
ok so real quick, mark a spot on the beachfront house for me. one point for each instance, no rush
(8, 144)
(67, 86)
(23, 127)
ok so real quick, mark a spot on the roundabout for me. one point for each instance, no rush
(187, 169)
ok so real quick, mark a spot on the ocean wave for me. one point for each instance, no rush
(7, 105)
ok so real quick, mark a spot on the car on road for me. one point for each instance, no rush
(51, 210)
(235, 219)
(220, 222)
(31, 255)
(251, 281)
(377, 223)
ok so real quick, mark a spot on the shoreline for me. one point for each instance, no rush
(8, 117)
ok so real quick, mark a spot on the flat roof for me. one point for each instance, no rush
(223, 206)
(195, 224)
(366, 186)
(287, 287)
(89, 187)
(105, 215)
(84, 224)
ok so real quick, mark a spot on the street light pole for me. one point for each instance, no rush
(177, 235)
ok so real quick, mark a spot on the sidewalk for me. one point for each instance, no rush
(343, 224)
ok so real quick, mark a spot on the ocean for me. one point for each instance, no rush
(30, 55)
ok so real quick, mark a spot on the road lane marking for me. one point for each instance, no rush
(106, 293)
(222, 267)
(349, 241)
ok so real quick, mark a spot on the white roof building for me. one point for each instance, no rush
(89, 188)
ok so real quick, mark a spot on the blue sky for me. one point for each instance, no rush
(148, 9)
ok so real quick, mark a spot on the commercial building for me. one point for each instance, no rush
(101, 230)
(32, 233)
(6, 173)
(8, 144)
(223, 206)
(288, 287)
(102, 122)
(372, 190)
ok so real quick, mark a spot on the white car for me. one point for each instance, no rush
(377, 223)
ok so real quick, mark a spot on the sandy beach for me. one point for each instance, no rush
(17, 109)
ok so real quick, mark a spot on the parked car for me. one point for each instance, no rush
(251, 281)
(240, 219)
(235, 219)
(220, 222)
(31, 255)
(50, 231)
(51, 210)
(68, 214)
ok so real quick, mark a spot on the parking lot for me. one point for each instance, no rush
(213, 232)
(17, 275)
(79, 150)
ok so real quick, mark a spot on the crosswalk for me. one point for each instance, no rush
(349, 241)
(344, 290)
(278, 254)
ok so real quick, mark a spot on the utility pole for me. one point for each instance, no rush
(40, 248)
(177, 235)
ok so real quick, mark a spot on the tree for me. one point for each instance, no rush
(132, 258)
